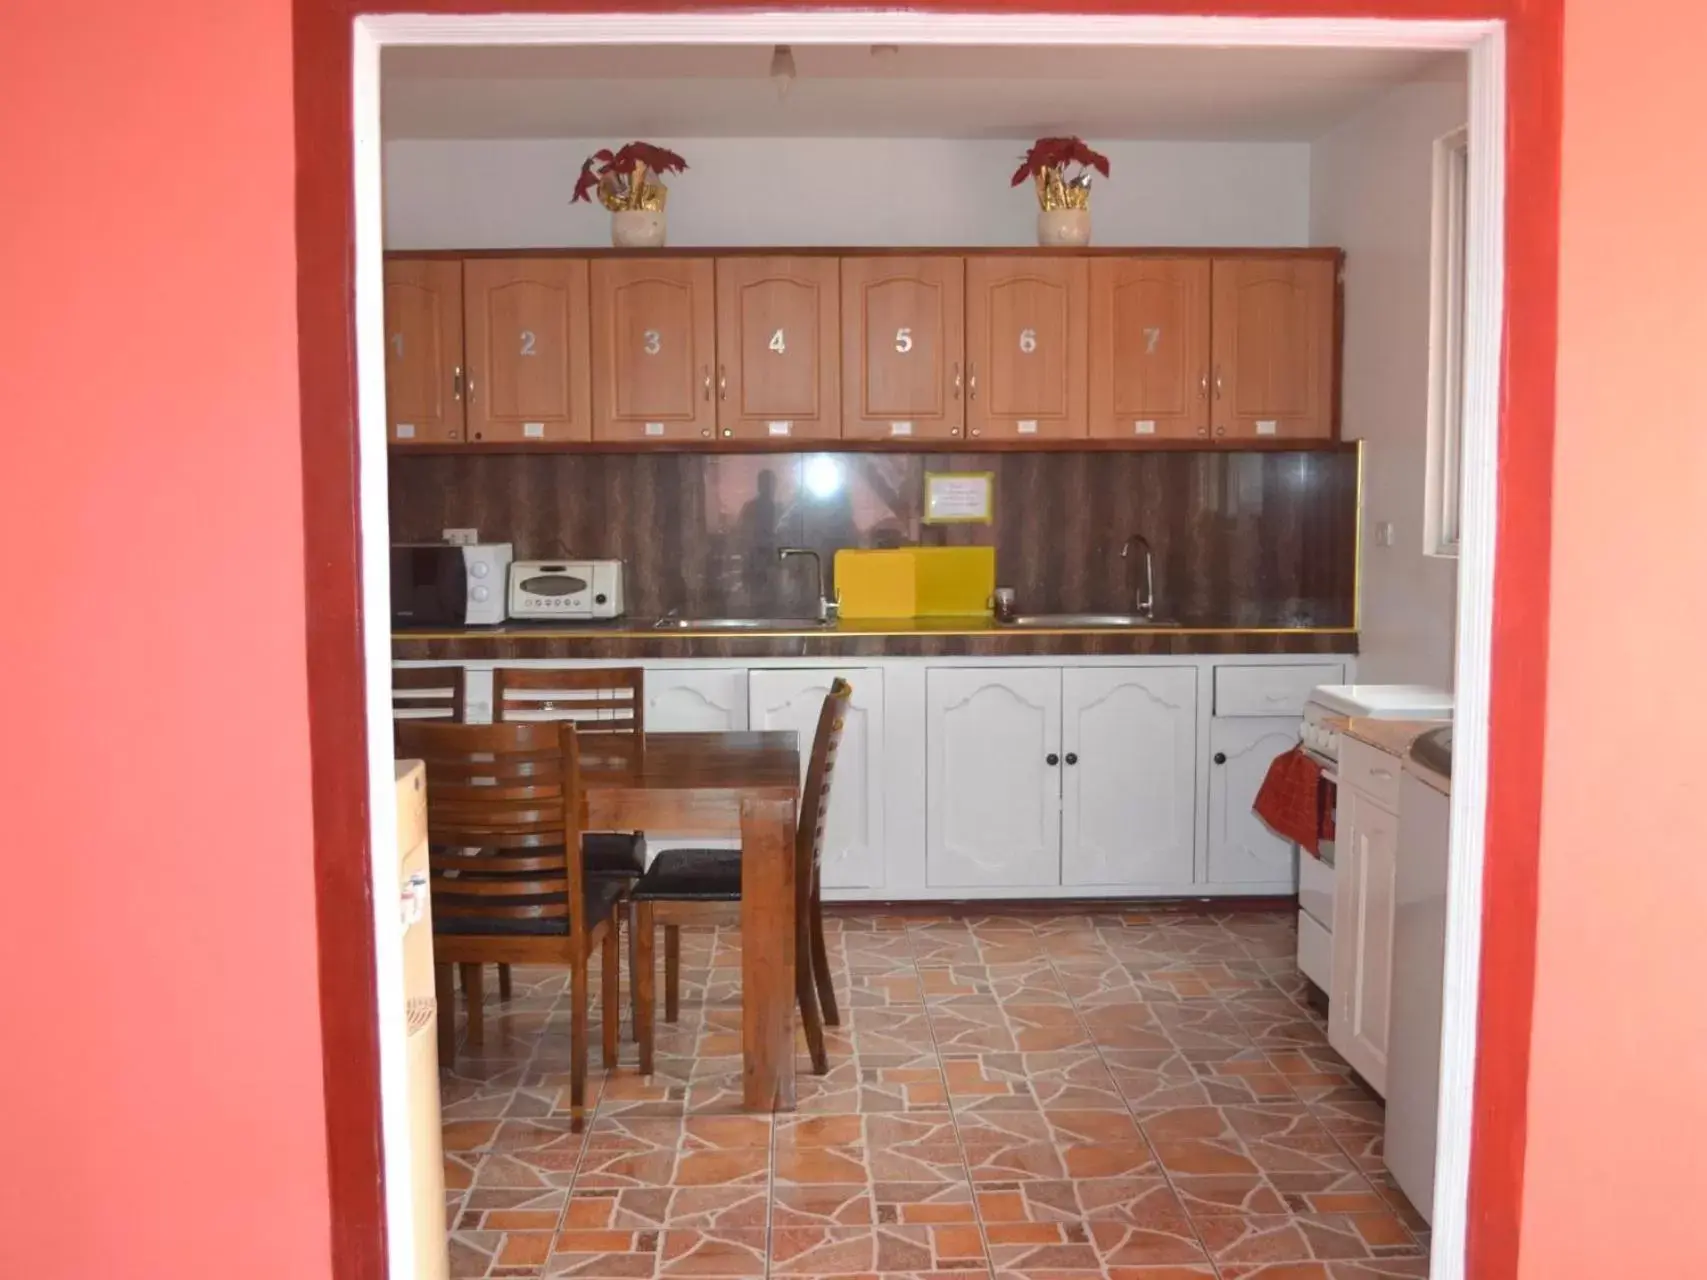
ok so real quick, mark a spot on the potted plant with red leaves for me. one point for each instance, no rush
(1061, 168)
(628, 184)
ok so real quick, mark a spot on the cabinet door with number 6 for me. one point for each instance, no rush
(1026, 347)
(527, 349)
(778, 361)
(902, 339)
(654, 349)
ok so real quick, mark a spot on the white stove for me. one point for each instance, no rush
(1316, 878)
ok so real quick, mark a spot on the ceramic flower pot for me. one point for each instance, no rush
(1064, 227)
(637, 228)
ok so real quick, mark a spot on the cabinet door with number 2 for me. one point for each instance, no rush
(778, 361)
(1026, 347)
(654, 349)
(527, 349)
(903, 334)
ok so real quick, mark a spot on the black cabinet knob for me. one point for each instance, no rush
(1072, 757)
(1220, 757)
(1052, 759)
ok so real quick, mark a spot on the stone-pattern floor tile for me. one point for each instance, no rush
(1123, 1094)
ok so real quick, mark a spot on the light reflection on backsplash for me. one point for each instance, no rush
(1240, 538)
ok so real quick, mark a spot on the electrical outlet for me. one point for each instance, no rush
(462, 537)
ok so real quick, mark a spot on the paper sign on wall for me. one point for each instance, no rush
(959, 497)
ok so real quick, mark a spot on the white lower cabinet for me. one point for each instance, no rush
(1242, 850)
(792, 698)
(1129, 776)
(696, 700)
(993, 777)
(1366, 848)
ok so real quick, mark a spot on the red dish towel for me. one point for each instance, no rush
(1293, 800)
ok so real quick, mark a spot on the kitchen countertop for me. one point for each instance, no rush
(978, 635)
(1392, 736)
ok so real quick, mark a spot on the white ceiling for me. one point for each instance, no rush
(619, 92)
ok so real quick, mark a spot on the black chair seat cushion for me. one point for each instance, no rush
(603, 892)
(613, 853)
(691, 875)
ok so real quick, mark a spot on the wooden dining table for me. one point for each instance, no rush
(716, 786)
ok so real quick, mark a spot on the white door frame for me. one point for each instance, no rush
(1483, 41)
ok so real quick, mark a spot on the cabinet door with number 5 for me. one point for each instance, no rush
(527, 349)
(654, 349)
(1026, 347)
(778, 363)
(902, 347)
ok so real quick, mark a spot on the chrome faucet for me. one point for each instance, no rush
(1146, 601)
(828, 606)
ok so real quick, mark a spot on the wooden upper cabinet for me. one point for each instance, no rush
(1273, 342)
(654, 349)
(1149, 366)
(1026, 347)
(423, 350)
(528, 363)
(778, 357)
(903, 347)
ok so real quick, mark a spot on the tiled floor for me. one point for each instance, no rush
(1134, 1096)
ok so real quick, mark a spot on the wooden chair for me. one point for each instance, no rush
(428, 693)
(689, 886)
(503, 820)
(598, 701)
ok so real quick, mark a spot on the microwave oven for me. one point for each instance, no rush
(437, 584)
(571, 589)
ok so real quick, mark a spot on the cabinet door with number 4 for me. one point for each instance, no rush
(778, 361)
(1026, 347)
(902, 338)
(527, 349)
(654, 349)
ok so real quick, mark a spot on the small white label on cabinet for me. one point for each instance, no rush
(1268, 427)
(654, 428)
(405, 430)
(900, 428)
(533, 430)
(1028, 426)
(779, 428)
(1144, 427)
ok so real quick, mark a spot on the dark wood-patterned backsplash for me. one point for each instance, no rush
(1241, 539)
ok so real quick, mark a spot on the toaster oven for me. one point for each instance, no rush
(570, 589)
(437, 584)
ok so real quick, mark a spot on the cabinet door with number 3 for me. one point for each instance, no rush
(902, 347)
(1026, 347)
(778, 361)
(654, 349)
(527, 349)
(1150, 348)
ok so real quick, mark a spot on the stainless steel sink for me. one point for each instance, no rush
(738, 624)
(1112, 621)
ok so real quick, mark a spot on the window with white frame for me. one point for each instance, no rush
(1446, 345)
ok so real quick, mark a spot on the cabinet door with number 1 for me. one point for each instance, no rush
(527, 349)
(778, 360)
(423, 350)
(654, 349)
(1150, 348)
(1026, 347)
(902, 347)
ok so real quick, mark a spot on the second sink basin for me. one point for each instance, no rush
(738, 624)
(1113, 621)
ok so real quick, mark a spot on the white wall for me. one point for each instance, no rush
(844, 191)
(1371, 192)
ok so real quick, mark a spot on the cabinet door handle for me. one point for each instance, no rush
(1217, 382)
(722, 382)
(1203, 386)
(1072, 757)
(706, 371)
(456, 383)
(1051, 759)
(1386, 775)
(971, 381)
(1220, 757)
(957, 379)
(468, 385)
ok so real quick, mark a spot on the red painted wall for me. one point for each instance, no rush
(161, 1042)
(1615, 1179)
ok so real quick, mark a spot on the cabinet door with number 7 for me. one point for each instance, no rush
(1025, 347)
(902, 347)
(778, 360)
(527, 349)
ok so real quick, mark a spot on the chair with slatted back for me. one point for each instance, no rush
(692, 886)
(428, 693)
(504, 811)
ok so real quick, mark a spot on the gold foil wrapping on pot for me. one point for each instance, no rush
(1054, 192)
(633, 191)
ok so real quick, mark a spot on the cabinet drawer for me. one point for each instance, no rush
(1315, 951)
(1316, 889)
(1270, 691)
(1373, 773)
